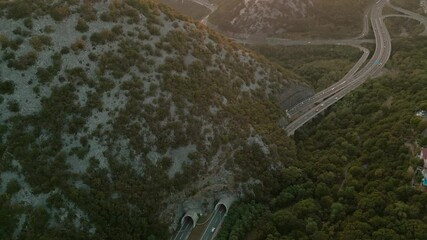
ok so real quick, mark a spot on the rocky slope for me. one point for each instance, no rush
(289, 18)
(253, 16)
(113, 113)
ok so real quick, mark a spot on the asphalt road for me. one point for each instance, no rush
(289, 42)
(185, 230)
(331, 90)
(214, 224)
(372, 68)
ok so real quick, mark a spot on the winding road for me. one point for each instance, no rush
(331, 95)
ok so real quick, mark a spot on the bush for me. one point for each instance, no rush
(59, 13)
(117, 29)
(82, 25)
(28, 23)
(102, 37)
(78, 45)
(48, 29)
(38, 42)
(153, 30)
(24, 61)
(47, 74)
(7, 87)
(19, 9)
(4, 41)
(13, 106)
(13, 187)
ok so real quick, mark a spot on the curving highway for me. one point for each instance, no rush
(371, 69)
(331, 90)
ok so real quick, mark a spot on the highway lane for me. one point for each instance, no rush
(306, 104)
(185, 230)
(372, 68)
(365, 29)
(214, 224)
(289, 42)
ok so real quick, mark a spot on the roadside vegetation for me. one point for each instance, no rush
(400, 27)
(411, 5)
(354, 176)
(320, 65)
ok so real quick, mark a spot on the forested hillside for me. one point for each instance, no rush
(320, 65)
(113, 113)
(354, 176)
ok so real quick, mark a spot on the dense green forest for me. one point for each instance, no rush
(354, 175)
(320, 65)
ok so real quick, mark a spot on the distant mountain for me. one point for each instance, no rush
(253, 16)
(283, 18)
(113, 113)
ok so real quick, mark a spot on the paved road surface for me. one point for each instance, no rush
(289, 42)
(215, 224)
(185, 230)
(372, 68)
(329, 91)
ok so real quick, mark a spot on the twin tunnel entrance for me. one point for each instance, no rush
(191, 217)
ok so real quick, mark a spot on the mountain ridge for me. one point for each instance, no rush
(116, 112)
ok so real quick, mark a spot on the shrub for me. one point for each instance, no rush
(78, 45)
(48, 29)
(38, 42)
(21, 32)
(13, 187)
(153, 30)
(14, 44)
(117, 29)
(59, 13)
(87, 11)
(65, 50)
(28, 22)
(24, 61)
(82, 25)
(19, 9)
(47, 74)
(93, 57)
(13, 106)
(7, 87)
(4, 41)
(102, 37)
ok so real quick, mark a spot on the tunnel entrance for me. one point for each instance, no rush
(188, 220)
(190, 217)
(224, 204)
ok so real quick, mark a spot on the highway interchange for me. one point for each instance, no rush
(304, 112)
(311, 107)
